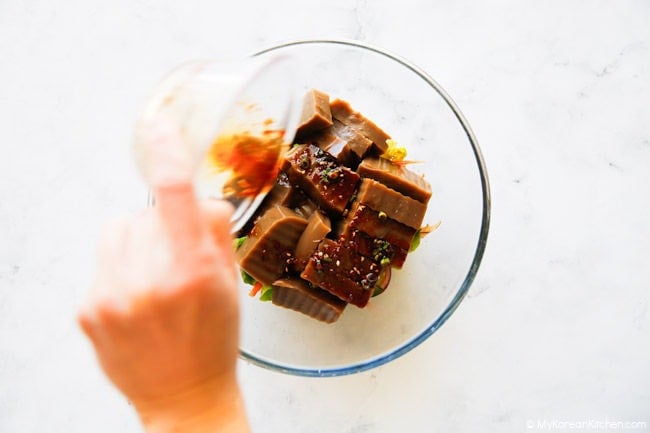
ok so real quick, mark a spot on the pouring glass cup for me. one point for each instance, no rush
(236, 118)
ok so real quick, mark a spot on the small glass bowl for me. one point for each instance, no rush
(210, 99)
(414, 109)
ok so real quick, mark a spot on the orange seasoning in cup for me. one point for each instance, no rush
(252, 161)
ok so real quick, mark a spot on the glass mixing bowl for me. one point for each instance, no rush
(409, 105)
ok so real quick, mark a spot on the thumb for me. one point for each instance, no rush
(217, 214)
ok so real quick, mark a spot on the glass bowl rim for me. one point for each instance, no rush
(478, 254)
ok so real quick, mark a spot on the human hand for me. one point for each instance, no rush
(163, 313)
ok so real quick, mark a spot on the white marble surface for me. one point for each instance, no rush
(556, 326)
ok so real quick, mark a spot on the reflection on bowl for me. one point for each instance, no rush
(418, 113)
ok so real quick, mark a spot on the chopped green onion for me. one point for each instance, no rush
(247, 278)
(324, 176)
(267, 293)
(385, 261)
(415, 242)
(238, 242)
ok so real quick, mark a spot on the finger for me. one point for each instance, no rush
(167, 165)
(88, 318)
(110, 251)
(179, 214)
(218, 214)
(142, 250)
(102, 321)
(110, 246)
(161, 153)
